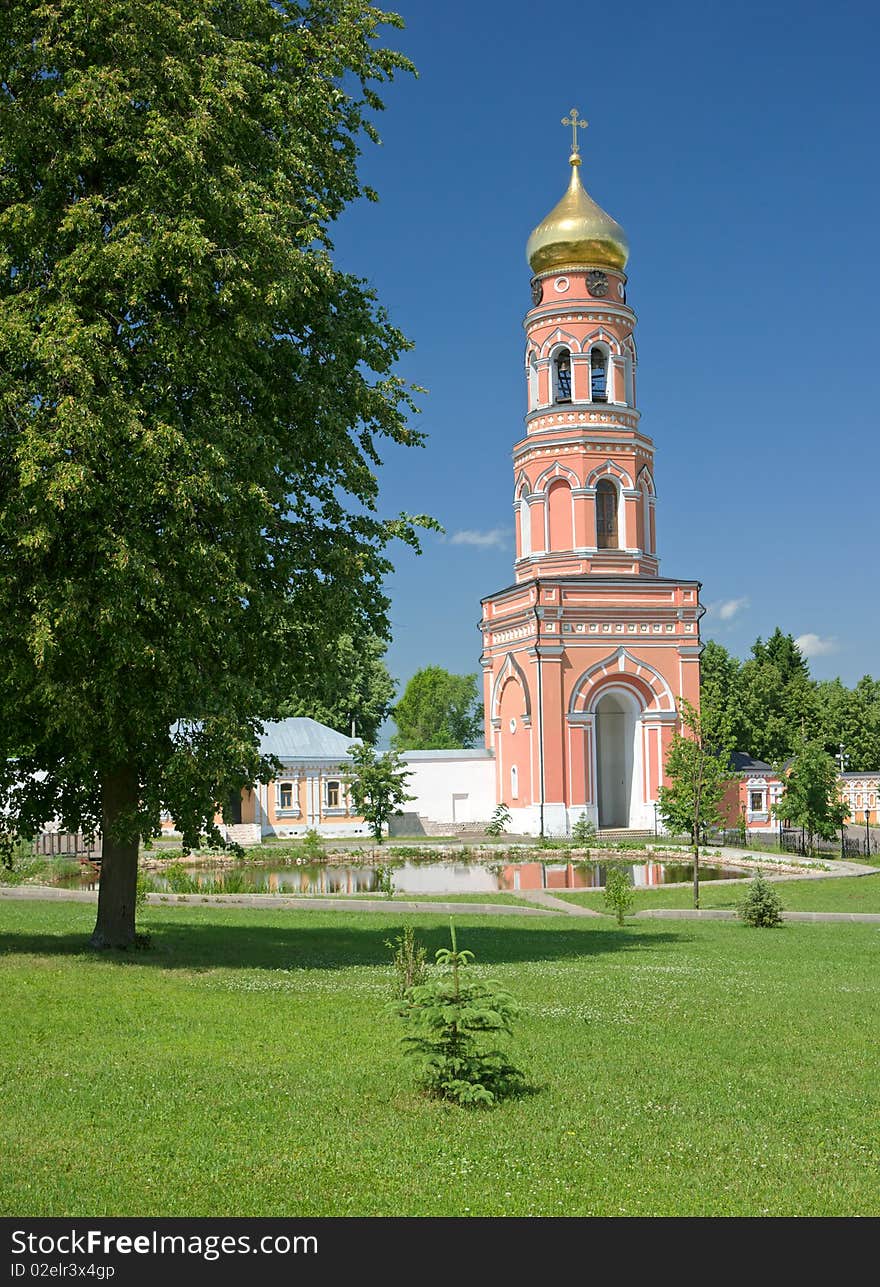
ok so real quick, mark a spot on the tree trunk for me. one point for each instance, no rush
(696, 867)
(117, 890)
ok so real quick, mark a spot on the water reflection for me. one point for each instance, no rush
(427, 877)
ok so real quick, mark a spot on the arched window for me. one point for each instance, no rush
(533, 383)
(606, 515)
(525, 525)
(598, 375)
(562, 369)
(514, 782)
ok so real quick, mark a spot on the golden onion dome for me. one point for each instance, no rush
(577, 232)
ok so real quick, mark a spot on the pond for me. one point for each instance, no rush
(424, 877)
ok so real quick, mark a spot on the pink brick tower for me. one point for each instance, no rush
(586, 655)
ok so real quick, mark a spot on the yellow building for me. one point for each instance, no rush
(309, 793)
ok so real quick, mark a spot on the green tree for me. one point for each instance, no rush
(352, 692)
(698, 774)
(377, 784)
(719, 691)
(777, 698)
(192, 400)
(850, 717)
(811, 795)
(438, 710)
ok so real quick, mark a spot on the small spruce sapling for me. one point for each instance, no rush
(619, 895)
(583, 832)
(450, 1018)
(761, 906)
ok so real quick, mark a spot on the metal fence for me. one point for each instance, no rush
(793, 840)
(68, 844)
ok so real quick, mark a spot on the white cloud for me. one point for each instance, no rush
(727, 609)
(815, 646)
(495, 538)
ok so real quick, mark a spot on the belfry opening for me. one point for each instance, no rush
(602, 646)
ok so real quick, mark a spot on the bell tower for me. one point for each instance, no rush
(586, 655)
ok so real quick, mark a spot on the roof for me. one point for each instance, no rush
(866, 773)
(742, 762)
(454, 753)
(301, 738)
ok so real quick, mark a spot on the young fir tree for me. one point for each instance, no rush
(192, 400)
(697, 777)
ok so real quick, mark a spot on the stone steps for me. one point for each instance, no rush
(624, 833)
(242, 833)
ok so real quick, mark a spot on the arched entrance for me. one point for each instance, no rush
(617, 724)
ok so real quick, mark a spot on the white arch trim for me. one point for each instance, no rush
(553, 472)
(510, 670)
(522, 480)
(609, 469)
(645, 476)
(602, 339)
(560, 340)
(621, 663)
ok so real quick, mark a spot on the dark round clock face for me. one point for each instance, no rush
(597, 283)
(537, 291)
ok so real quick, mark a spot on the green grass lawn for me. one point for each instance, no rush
(831, 894)
(244, 1066)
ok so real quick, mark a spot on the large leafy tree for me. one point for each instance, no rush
(697, 778)
(850, 717)
(777, 698)
(192, 399)
(438, 710)
(719, 691)
(811, 797)
(352, 691)
(769, 703)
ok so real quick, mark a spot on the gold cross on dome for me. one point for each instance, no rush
(576, 122)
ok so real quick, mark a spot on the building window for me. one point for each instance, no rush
(756, 801)
(598, 376)
(563, 376)
(533, 383)
(514, 783)
(285, 795)
(606, 515)
(333, 794)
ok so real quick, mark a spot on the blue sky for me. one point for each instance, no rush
(737, 145)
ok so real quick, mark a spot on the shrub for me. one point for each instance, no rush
(499, 821)
(233, 881)
(583, 831)
(761, 906)
(451, 1019)
(619, 896)
(312, 846)
(181, 881)
(409, 960)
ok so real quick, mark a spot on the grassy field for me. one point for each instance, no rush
(831, 894)
(244, 1066)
